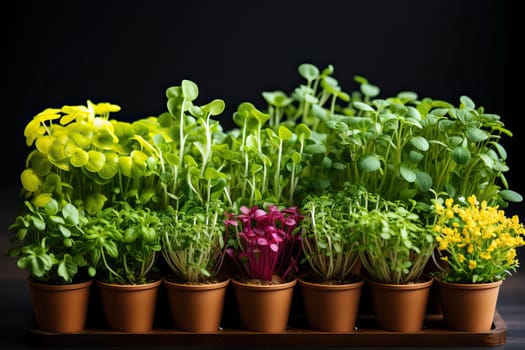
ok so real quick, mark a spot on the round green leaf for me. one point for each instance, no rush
(368, 163)
(79, 158)
(96, 161)
(125, 164)
(308, 71)
(104, 139)
(30, 181)
(415, 157)
(408, 174)
(369, 90)
(407, 96)
(476, 135)
(315, 148)
(467, 102)
(423, 181)
(303, 129)
(190, 90)
(284, 133)
(461, 155)
(216, 107)
(174, 91)
(413, 113)
(420, 143)
(111, 166)
(362, 106)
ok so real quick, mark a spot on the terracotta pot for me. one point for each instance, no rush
(60, 308)
(129, 308)
(469, 307)
(264, 308)
(400, 307)
(331, 308)
(196, 307)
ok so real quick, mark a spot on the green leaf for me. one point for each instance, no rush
(489, 163)
(212, 173)
(415, 157)
(467, 102)
(71, 214)
(363, 106)
(79, 158)
(368, 163)
(315, 148)
(94, 203)
(408, 174)
(30, 181)
(190, 90)
(303, 129)
(296, 157)
(476, 134)
(413, 113)
(423, 181)
(308, 71)
(407, 96)
(131, 234)
(111, 166)
(360, 79)
(420, 143)
(511, 196)
(369, 90)
(174, 91)
(284, 133)
(327, 163)
(96, 161)
(216, 107)
(461, 155)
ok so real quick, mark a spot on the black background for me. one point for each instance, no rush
(129, 52)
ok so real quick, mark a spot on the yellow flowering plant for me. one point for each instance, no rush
(477, 241)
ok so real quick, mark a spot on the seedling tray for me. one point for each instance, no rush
(298, 334)
(366, 335)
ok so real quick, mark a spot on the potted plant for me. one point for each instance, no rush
(331, 286)
(124, 242)
(395, 246)
(50, 241)
(188, 141)
(478, 246)
(49, 244)
(265, 245)
(193, 245)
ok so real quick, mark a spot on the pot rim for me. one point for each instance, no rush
(129, 286)
(269, 287)
(407, 286)
(345, 286)
(61, 287)
(200, 286)
(454, 285)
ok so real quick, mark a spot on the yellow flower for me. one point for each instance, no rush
(485, 255)
(475, 232)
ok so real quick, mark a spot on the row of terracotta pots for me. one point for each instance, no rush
(264, 308)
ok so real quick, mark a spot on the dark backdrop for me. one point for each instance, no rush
(129, 52)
